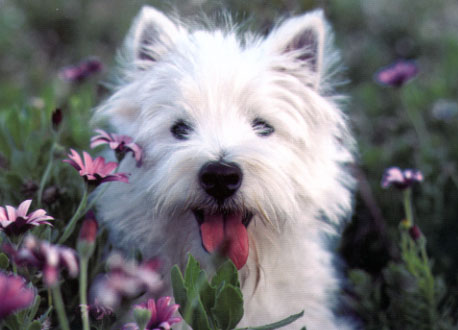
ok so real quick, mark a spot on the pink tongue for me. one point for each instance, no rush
(226, 232)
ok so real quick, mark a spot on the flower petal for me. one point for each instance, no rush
(89, 165)
(122, 177)
(107, 168)
(11, 211)
(97, 142)
(23, 208)
(136, 150)
(68, 258)
(76, 158)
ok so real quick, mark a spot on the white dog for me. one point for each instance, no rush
(244, 143)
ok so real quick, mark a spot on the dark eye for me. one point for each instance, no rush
(262, 127)
(181, 130)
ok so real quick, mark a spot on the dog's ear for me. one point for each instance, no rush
(303, 38)
(151, 36)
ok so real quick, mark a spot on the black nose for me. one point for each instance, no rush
(220, 180)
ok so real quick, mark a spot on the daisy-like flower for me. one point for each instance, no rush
(95, 171)
(401, 179)
(121, 144)
(14, 295)
(45, 256)
(81, 71)
(397, 74)
(17, 221)
(126, 279)
(161, 314)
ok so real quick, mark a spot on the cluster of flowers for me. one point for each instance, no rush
(124, 280)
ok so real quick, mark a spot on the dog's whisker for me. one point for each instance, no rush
(264, 217)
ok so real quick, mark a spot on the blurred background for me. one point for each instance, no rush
(412, 126)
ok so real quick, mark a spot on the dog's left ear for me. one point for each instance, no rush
(303, 38)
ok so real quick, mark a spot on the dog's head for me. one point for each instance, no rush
(235, 127)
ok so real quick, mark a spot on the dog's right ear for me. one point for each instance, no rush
(151, 36)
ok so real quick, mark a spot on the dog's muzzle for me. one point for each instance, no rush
(223, 231)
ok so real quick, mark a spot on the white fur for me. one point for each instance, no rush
(295, 181)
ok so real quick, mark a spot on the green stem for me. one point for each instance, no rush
(96, 197)
(49, 298)
(418, 124)
(45, 176)
(408, 206)
(71, 224)
(59, 305)
(83, 294)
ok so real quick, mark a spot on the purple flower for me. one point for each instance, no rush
(401, 179)
(119, 143)
(99, 311)
(14, 295)
(17, 221)
(95, 171)
(161, 314)
(47, 257)
(397, 74)
(81, 71)
(126, 279)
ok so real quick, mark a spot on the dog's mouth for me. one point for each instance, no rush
(225, 232)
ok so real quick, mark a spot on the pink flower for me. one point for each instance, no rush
(397, 74)
(81, 71)
(17, 221)
(14, 295)
(401, 179)
(47, 257)
(126, 279)
(161, 314)
(95, 171)
(119, 143)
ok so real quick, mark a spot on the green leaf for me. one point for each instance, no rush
(12, 322)
(4, 261)
(199, 316)
(227, 273)
(179, 289)
(45, 315)
(194, 277)
(228, 309)
(187, 295)
(35, 325)
(279, 324)
(208, 296)
(34, 309)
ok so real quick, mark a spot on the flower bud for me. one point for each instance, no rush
(89, 228)
(142, 316)
(415, 232)
(56, 118)
(87, 236)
